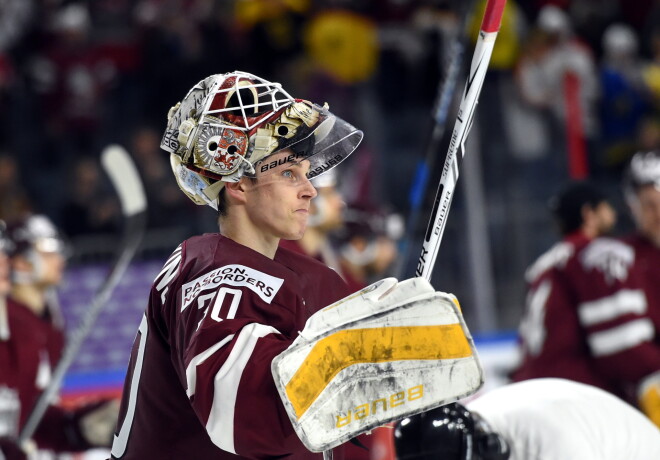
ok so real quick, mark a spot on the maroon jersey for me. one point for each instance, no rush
(595, 316)
(199, 383)
(27, 358)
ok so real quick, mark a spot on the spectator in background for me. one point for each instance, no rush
(14, 199)
(72, 75)
(32, 340)
(560, 75)
(597, 320)
(326, 217)
(625, 99)
(648, 134)
(168, 207)
(184, 36)
(368, 242)
(89, 207)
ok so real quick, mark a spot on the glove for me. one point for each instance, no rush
(389, 350)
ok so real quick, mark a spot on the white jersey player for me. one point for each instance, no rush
(548, 419)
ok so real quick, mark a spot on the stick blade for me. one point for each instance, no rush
(125, 178)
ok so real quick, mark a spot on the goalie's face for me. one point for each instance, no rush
(278, 202)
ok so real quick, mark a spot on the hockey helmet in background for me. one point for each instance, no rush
(449, 432)
(228, 125)
(643, 169)
(36, 232)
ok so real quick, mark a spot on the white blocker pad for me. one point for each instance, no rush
(412, 353)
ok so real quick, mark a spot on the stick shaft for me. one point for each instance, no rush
(124, 176)
(449, 177)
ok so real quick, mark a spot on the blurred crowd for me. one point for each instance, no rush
(573, 91)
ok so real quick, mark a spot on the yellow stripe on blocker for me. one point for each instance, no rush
(345, 348)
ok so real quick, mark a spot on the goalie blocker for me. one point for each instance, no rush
(383, 353)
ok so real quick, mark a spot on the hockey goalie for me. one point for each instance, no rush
(249, 350)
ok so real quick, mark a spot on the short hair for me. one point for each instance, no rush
(567, 205)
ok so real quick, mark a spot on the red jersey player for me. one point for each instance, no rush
(31, 345)
(199, 382)
(598, 318)
(228, 313)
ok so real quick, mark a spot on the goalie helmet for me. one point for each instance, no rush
(228, 125)
(449, 432)
(644, 169)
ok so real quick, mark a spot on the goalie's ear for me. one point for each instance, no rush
(235, 191)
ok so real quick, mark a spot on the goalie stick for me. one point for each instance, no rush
(488, 33)
(440, 112)
(126, 181)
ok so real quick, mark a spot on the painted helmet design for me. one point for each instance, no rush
(229, 124)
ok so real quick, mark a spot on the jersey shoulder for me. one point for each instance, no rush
(611, 257)
(555, 257)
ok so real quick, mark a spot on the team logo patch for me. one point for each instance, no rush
(264, 285)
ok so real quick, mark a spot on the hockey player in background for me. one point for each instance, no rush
(31, 345)
(326, 216)
(581, 212)
(200, 384)
(549, 419)
(597, 320)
